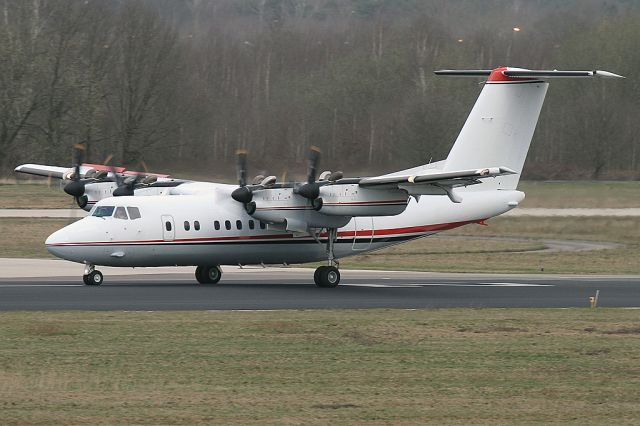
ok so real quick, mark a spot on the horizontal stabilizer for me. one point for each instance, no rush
(515, 73)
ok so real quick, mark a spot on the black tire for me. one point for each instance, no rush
(209, 274)
(199, 275)
(328, 276)
(85, 279)
(316, 276)
(95, 278)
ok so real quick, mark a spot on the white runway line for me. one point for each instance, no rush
(515, 285)
(419, 285)
(74, 213)
(26, 285)
(573, 212)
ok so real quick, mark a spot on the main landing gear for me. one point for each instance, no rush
(208, 274)
(329, 275)
(91, 275)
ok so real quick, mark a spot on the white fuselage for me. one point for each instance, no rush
(160, 236)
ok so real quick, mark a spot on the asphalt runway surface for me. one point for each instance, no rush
(293, 288)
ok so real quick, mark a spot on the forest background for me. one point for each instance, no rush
(181, 84)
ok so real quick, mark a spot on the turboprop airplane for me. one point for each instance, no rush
(141, 220)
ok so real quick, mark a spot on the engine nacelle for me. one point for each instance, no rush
(353, 200)
(295, 213)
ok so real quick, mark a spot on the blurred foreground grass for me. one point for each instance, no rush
(443, 366)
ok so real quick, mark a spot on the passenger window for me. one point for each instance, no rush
(186, 225)
(239, 224)
(216, 225)
(103, 211)
(227, 225)
(120, 213)
(196, 225)
(263, 225)
(167, 225)
(134, 213)
(252, 224)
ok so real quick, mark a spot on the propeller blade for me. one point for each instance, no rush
(312, 163)
(311, 189)
(242, 167)
(78, 154)
(243, 194)
(75, 188)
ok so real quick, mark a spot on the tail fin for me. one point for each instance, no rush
(500, 127)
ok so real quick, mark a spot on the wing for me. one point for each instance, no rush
(43, 170)
(66, 172)
(436, 182)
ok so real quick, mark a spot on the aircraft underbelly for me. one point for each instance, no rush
(222, 254)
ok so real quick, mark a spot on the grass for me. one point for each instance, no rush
(435, 254)
(539, 194)
(24, 237)
(34, 196)
(490, 366)
(590, 194)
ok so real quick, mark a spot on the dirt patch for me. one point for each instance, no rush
(48, 330)
(623, 330)
(334, 406)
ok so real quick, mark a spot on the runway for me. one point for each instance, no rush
(293, 288)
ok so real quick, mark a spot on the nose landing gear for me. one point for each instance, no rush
(329, 275)
(91, 275)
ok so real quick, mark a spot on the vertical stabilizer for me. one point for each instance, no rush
(500, 127)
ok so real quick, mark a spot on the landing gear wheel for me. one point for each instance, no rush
(327, 276)
(208, 274)
(316, 275)
(94, 278)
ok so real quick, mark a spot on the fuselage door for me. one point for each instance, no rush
(363, 235)
(168, 228)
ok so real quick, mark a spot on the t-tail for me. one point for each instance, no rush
(500, 127)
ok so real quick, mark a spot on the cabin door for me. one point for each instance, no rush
(168, 228)
(363, 235)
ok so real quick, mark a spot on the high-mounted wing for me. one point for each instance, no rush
(88, 183)
(44, 170)
(495, 74)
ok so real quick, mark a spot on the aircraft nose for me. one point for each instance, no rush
(55, 242)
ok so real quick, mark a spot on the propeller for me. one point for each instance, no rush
(76, 187)
(311, 189)
(127, 185)
(243, 194)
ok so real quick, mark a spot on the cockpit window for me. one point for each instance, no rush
(134, 213)
(103, 211)
(120, 213)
